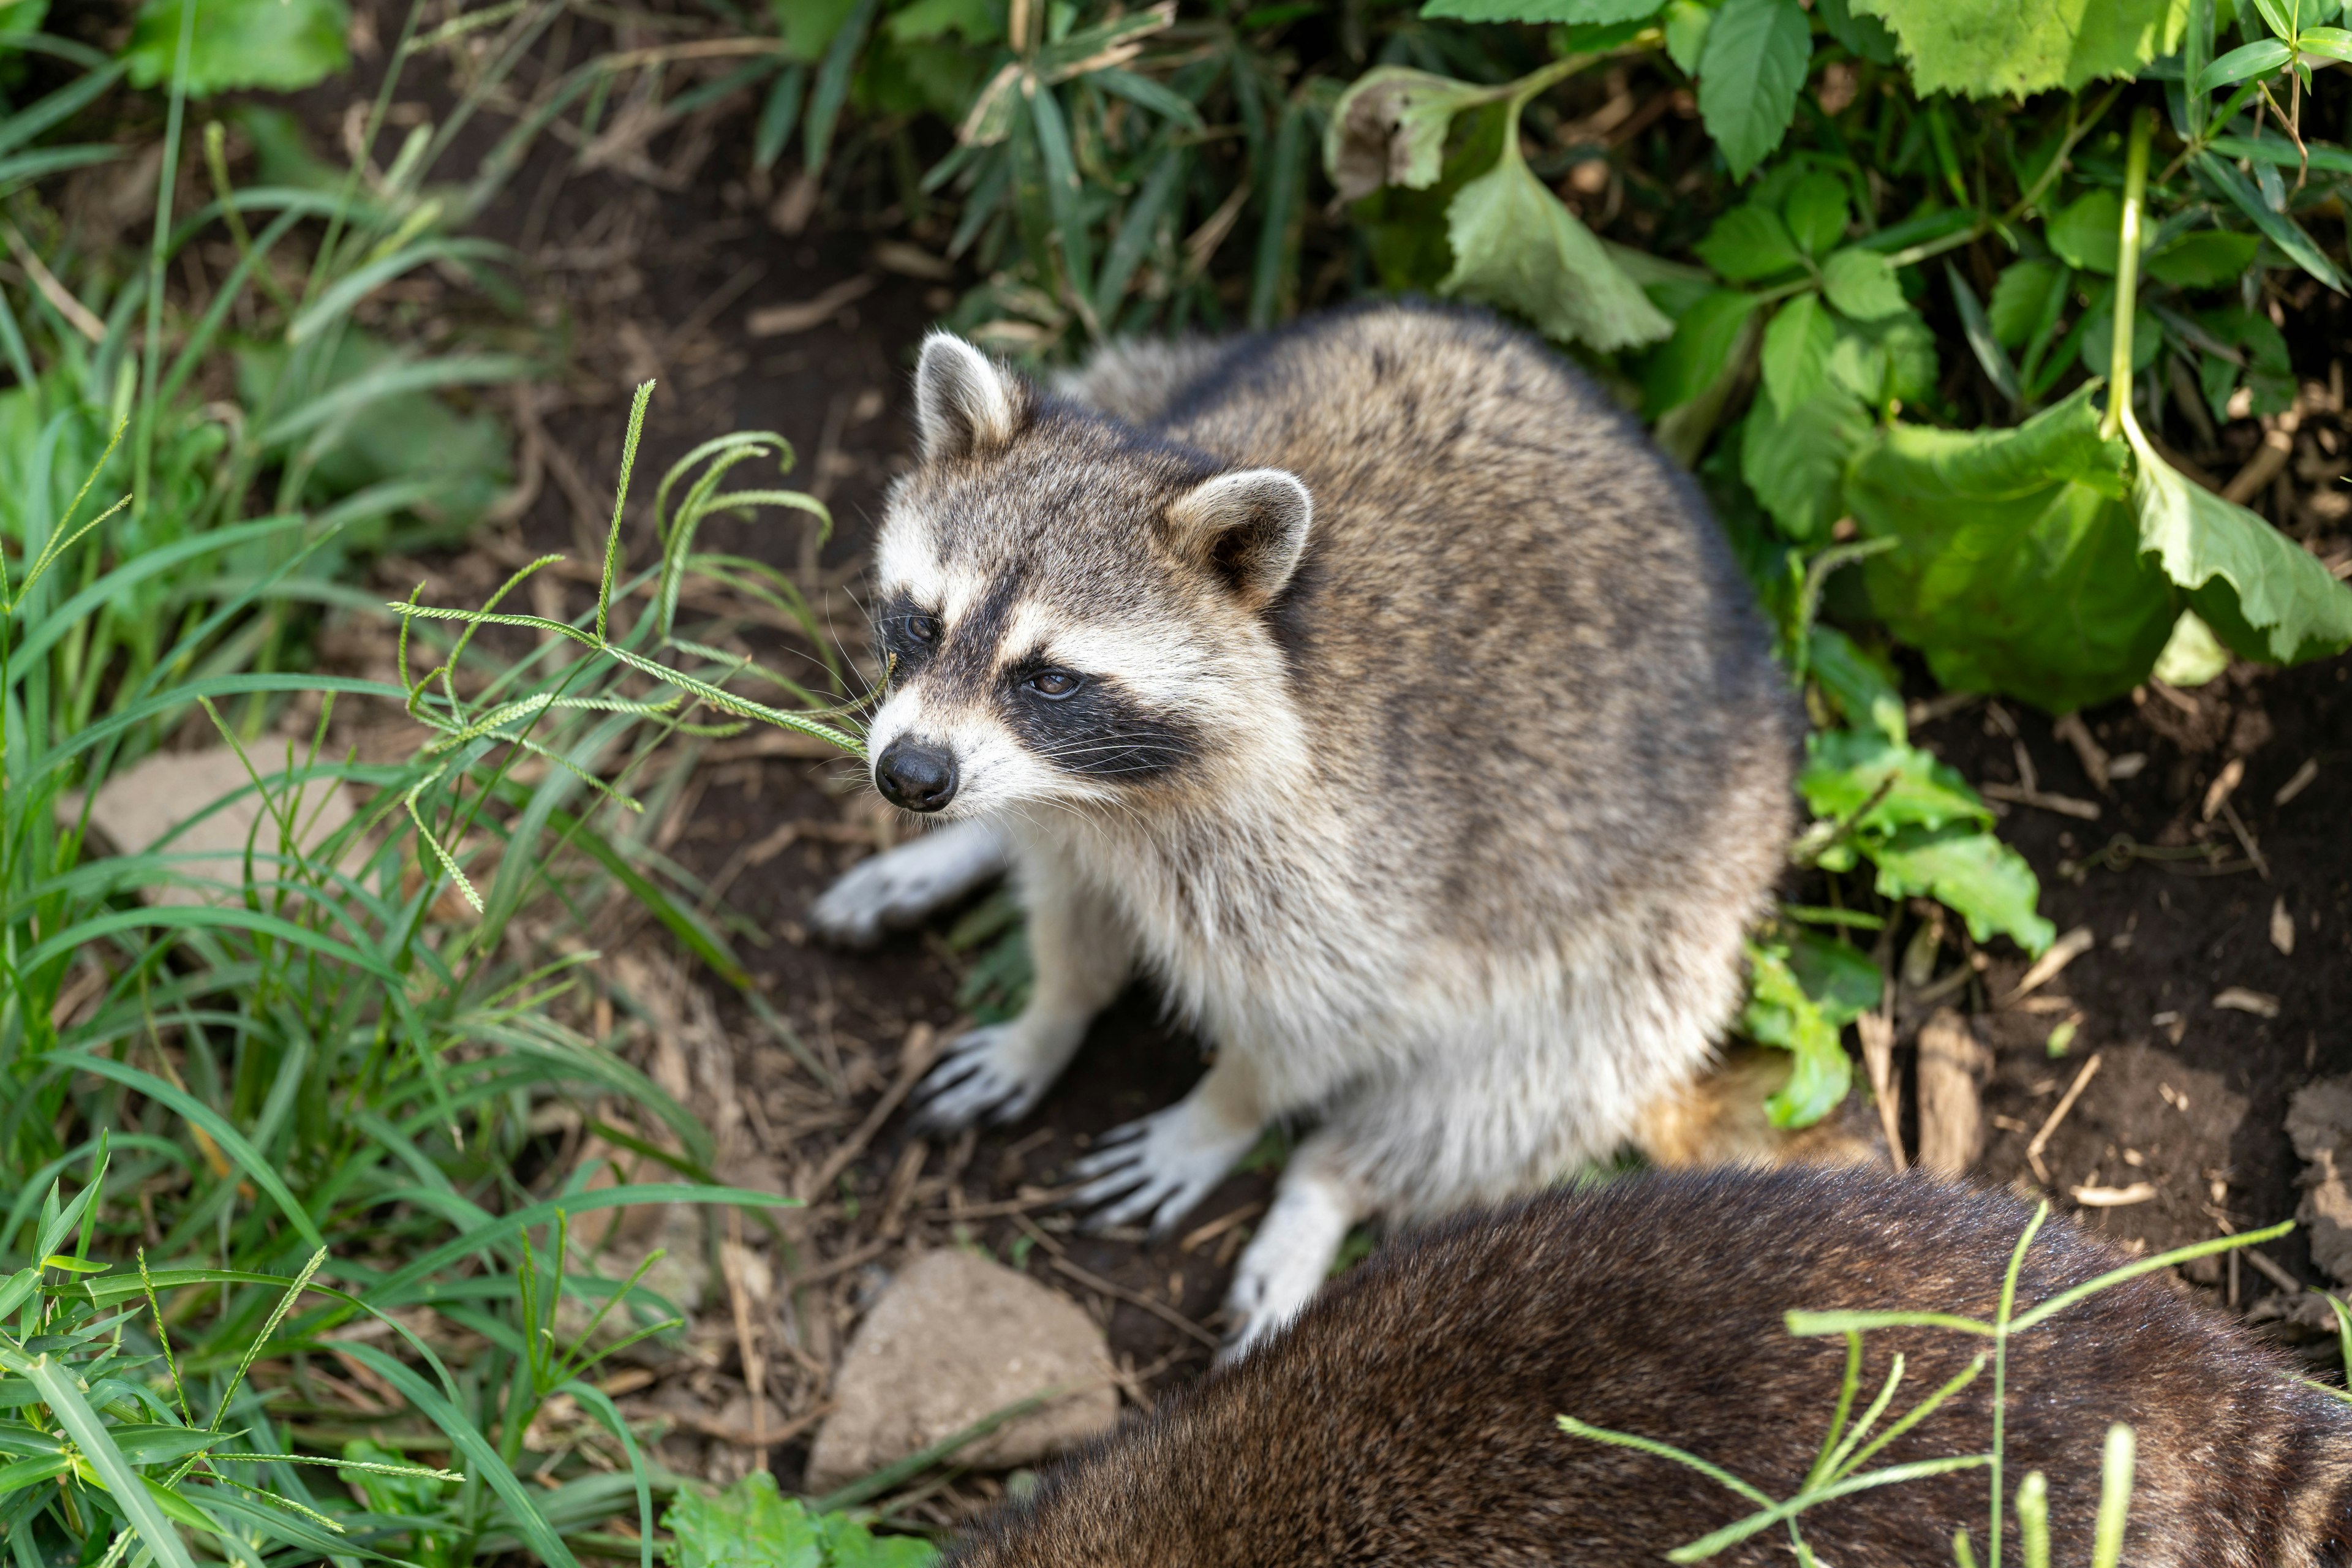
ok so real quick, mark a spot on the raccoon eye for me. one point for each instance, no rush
(1054, 684)
(923, 628)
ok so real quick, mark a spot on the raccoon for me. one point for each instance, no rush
(1410, 1415)
(1377, 689)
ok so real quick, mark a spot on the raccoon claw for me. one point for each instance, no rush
(978, 1078)
(1162, 1167)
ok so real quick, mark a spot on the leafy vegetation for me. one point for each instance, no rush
(749, 1525)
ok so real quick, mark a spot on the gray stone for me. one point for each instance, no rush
(137, 807)
(2319, 1119)
(955, 1339)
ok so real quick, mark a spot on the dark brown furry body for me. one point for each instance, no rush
(1408, 1417)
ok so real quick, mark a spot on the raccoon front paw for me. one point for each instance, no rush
(899, 887)
(993, 1073)
(1161, 1167)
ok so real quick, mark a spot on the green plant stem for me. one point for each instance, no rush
(2119, 368)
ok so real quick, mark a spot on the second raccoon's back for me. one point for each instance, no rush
(1517, 624)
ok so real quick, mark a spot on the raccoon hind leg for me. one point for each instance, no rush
(900, 886)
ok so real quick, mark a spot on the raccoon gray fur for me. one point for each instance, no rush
(1408, 1417)
(1382, 693)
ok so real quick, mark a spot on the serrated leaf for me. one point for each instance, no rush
(1516, 245)
(1989, 49)
(1861, 284)
(2206, 259)
(2020, 296)
(1750, 74)
(1903, 787)
(1794, 459)
(1983, 880)
(2262, 594)
(1817, 212)
(1701, 349)
(2017, 566)
(1797, 350)
(1748, 243)
(1389, 127)
(284, 45)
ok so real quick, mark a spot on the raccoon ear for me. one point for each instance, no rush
(964, 405)
(1249, 528)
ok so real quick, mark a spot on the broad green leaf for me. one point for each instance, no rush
(1748, 243)
(1797, 350)
(2282, 230)
(975, 21)
(1750, 74)
(1903, 787)
(1794, 460)
(1841, 979)
(1702, 349)
(1389, 129)
(2020, 296)
(1885, 360)
(21, 16)
(2331, 43)
(2258, 58)
(1994, 48)
(2017, 566)
(2192, 655)
(1817, 212)
(2206, 259)
(1570, 11)
(749, 1525)
(1780, 1012)
(1688, 22)
(284, 45)
(2098, 346)
(1985, 881)
(2262, 594)
(1516, 245)
(1861, 284)
(2087, 234)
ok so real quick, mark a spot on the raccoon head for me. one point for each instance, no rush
(1069, 611)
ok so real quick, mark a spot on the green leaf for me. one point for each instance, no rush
(1841, 979)
(1866, 36)
(1780, 1012)
(1989, 49)
(2206, 259)
(1389, 127)
(2020, 296)
(1748, 243)
(2192, 655)
(1688, 22)
(2087, 234)
(1817, 212)
(1984, 880)
(975, 21)
(749, 1525)
(1794, 459)
(1516, 245)
(2017, 566)
(2267, 372)
(1570, 11)
(1884, 361)
(1797, 350)
(2282, 230)
(1749, 78)
(284, 45)
(2332, 43)
(1978, 328)
(2257, 59)
(808, 26)
(1863, 690)
(1861, 284)
(1903, 787)
(2262, 594)
(1704, 343)
(61, 1391)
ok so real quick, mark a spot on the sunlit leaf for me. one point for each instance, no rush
(1517, 247)
(1989, 49)
(1748, 77)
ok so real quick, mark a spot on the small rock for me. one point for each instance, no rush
(953, 1340)
(2319, 1119)
(136, 808)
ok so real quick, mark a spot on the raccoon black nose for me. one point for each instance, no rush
(916, 774)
